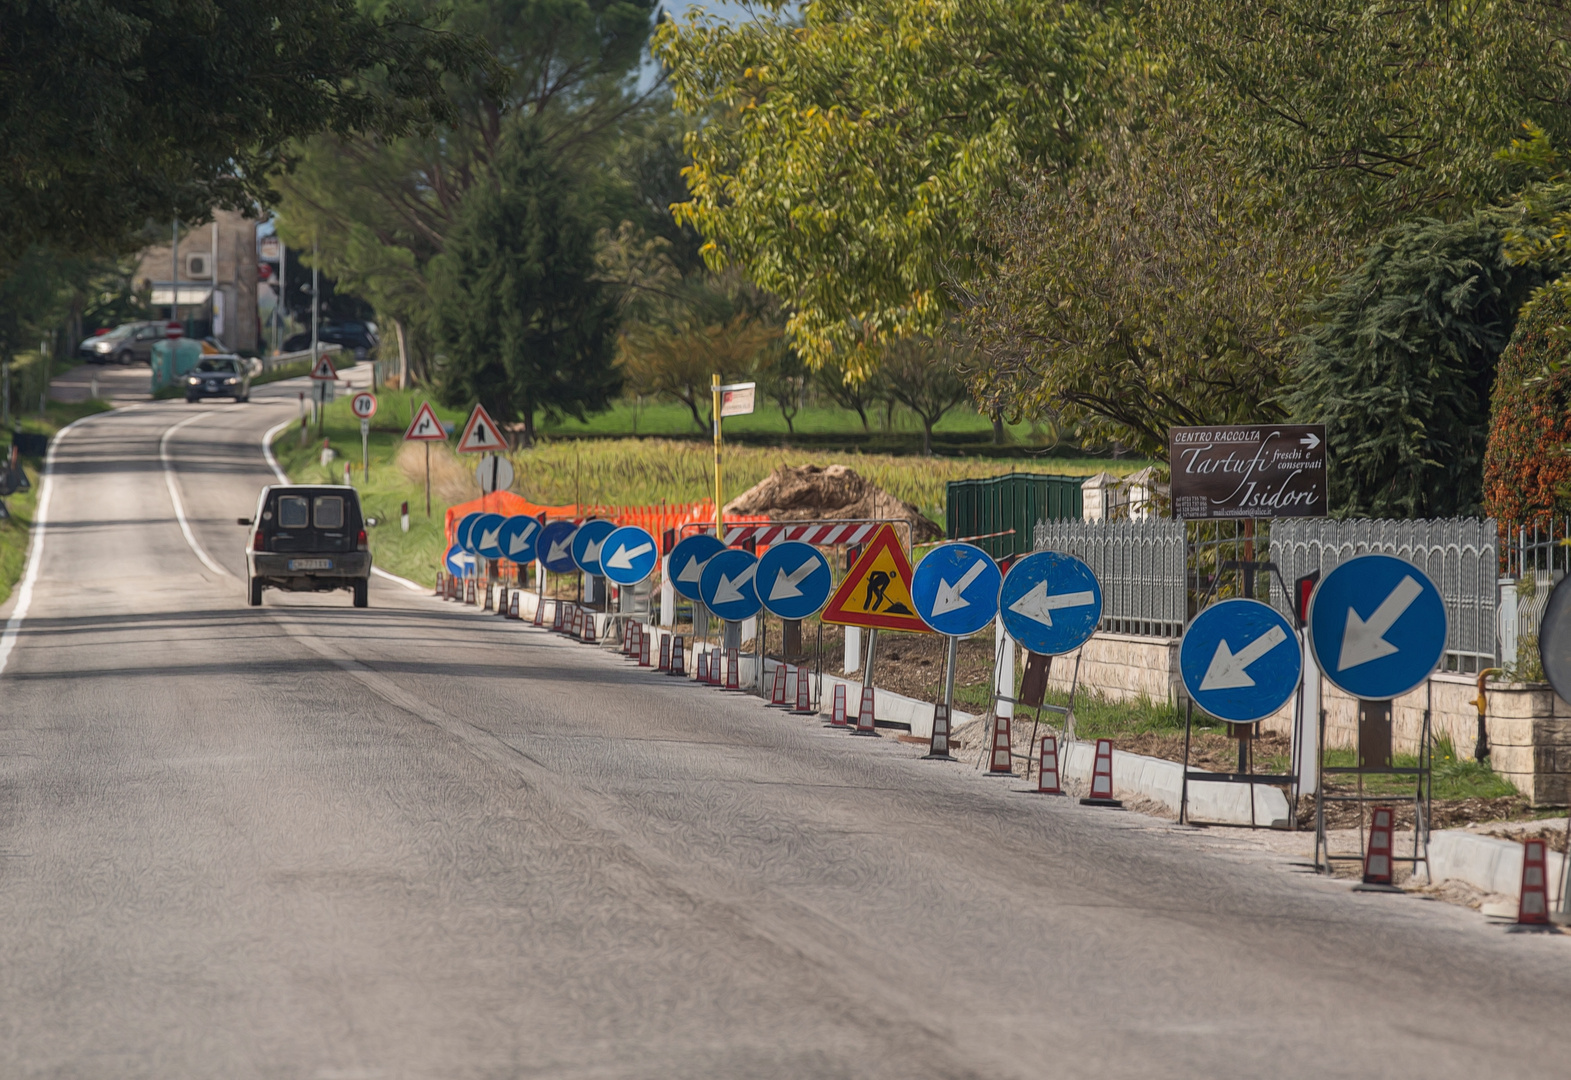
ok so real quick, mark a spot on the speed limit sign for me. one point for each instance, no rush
(363, 405)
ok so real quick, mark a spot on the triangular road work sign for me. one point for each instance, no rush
(425, 427)
(324, 370)
(876, 593)
(481, 435)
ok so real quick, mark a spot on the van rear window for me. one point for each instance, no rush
(329, 512)
(293, 512)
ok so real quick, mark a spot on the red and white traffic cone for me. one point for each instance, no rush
(864, 714)
(1047, 781)
(1533, 907)
(469, 592)
(556, 616)
(1001, 755)
(703, 667)
(777, 693)
(938, 741)
(716, 656)
(643, 646)
(1377, 860)
(487, 605)
(837, 717)
(665, 652)
(1102, 777)
(539, 610)
(804, 701)
(589, 628)
(440, 584)
(512, 608)
(733, 669)
(678, 661)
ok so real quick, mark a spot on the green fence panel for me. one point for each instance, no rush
(1016, 501)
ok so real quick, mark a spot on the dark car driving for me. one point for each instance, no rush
(308, 538)
(219, 376)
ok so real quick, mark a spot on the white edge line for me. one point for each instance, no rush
(272, 463)
(174, 495)
(35, 547)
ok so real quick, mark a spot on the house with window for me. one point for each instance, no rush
(207, 280)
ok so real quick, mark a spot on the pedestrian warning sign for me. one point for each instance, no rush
(324, 371)
(481, 435)
(425, 427)
(876, 593)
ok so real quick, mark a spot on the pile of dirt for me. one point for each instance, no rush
(812, 492)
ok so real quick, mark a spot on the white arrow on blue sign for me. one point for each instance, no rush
(1240, 660)
(554, 547)
(726, 585)
(793, 580)
(587, 543)
(628, 555)
(688, 559)
(955, 588)
(1377, 625)
(485, 534)
(461, 534)
(1050, 602)
(459, 562)
(517, 538)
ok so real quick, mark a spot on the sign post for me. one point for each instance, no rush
(425, 427)
(1248, 471)
(322, 377)
(734, 399)
(363, 405)
(955, 588)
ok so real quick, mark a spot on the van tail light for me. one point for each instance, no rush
(259, 542)
(360, 541)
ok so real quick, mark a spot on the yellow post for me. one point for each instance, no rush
(714, 385)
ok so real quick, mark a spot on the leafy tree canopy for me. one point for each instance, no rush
(845, 151)
(114, 111)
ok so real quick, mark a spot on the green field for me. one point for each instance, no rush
(604, 471)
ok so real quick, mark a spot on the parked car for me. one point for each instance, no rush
(126, 343)
(351, 334)
(221, 375)
(308, 538)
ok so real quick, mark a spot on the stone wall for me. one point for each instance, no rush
(1123, 667)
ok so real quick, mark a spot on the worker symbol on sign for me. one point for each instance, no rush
(877, 582)
(876, 591)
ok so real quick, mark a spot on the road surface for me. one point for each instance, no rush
(309, 841)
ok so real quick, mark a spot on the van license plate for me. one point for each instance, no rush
(310, 564)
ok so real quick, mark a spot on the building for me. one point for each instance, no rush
(211, 276)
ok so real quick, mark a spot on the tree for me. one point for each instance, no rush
(844, 152)
(524, 322)
(1526, 468)
(783, 376)
(117, 111)
(1140, 294)
(1400, 364)
(848, 392)
(919, 373)
(678, 358)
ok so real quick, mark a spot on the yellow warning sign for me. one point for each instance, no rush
(876, 593)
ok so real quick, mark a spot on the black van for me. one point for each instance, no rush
(308, 538)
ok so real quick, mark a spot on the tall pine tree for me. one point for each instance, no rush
(521, 321)
(1400, 364)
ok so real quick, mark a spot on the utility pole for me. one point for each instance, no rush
(281, 309)
(174, 274)
(212, 277)
(321, 387)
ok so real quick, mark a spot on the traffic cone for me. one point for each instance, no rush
(556, 616)
(864, 714)
(1102, 777)
(469, 592)
(441, 586)
(1533, 908)
(665, 652)
(643, 646)
(1377, 861)
(715, 656)
(539, 610)
(938, 742)
(627, 638)
(487, 605)
(677, 666)
(1001, 760)
(804, 701)
(1047, 782)
(733, 674)
(512, 607)
(777, 695)
(703, 667)
(589, 628)
(838, 716)
(501, 601)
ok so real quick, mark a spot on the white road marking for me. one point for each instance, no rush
(174, 494)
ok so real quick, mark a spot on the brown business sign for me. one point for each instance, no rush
(1248, 471)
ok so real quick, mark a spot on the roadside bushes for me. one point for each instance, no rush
(1527, 470)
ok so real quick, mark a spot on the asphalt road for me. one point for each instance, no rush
(307, 841)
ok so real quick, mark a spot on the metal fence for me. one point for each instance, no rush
(1156, 573)
(1459, 555)
(1141, 566)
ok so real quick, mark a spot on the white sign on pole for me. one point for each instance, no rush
(736, 399)
(495, 473)
(363, 405)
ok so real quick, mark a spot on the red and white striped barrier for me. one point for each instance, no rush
(821, 535)
(1001, 755)
(1533, 907)
(1047, 781)
(837, 716)
(864, 714)
(804, 702)
(1102, 777)
(1377, 860)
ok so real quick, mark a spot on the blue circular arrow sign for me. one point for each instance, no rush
(628, 555)
(554, 547)
(461, 534)
(955, 588)
(484, 534)
(793, 580)
(587, 542)
(1378, 626)
(726, 586)
(518, 538)
(1050, 602)
(1240, 660)
(687, 562)
(459, 562)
